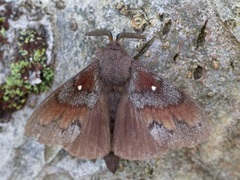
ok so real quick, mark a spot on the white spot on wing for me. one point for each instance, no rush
(169, 93)
(68, 95)
(154, 88)
(79, 87)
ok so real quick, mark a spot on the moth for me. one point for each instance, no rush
(117, 108)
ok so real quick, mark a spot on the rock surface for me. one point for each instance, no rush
(194, 44)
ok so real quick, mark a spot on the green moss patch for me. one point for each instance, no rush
(29, 72)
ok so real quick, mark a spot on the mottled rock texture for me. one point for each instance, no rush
(194, 44)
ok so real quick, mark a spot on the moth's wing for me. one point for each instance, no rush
(154, 115)
(75, 115)
(132, 139)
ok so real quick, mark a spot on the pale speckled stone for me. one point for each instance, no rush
(58, 176)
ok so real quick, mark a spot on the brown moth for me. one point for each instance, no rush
(117, 108)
